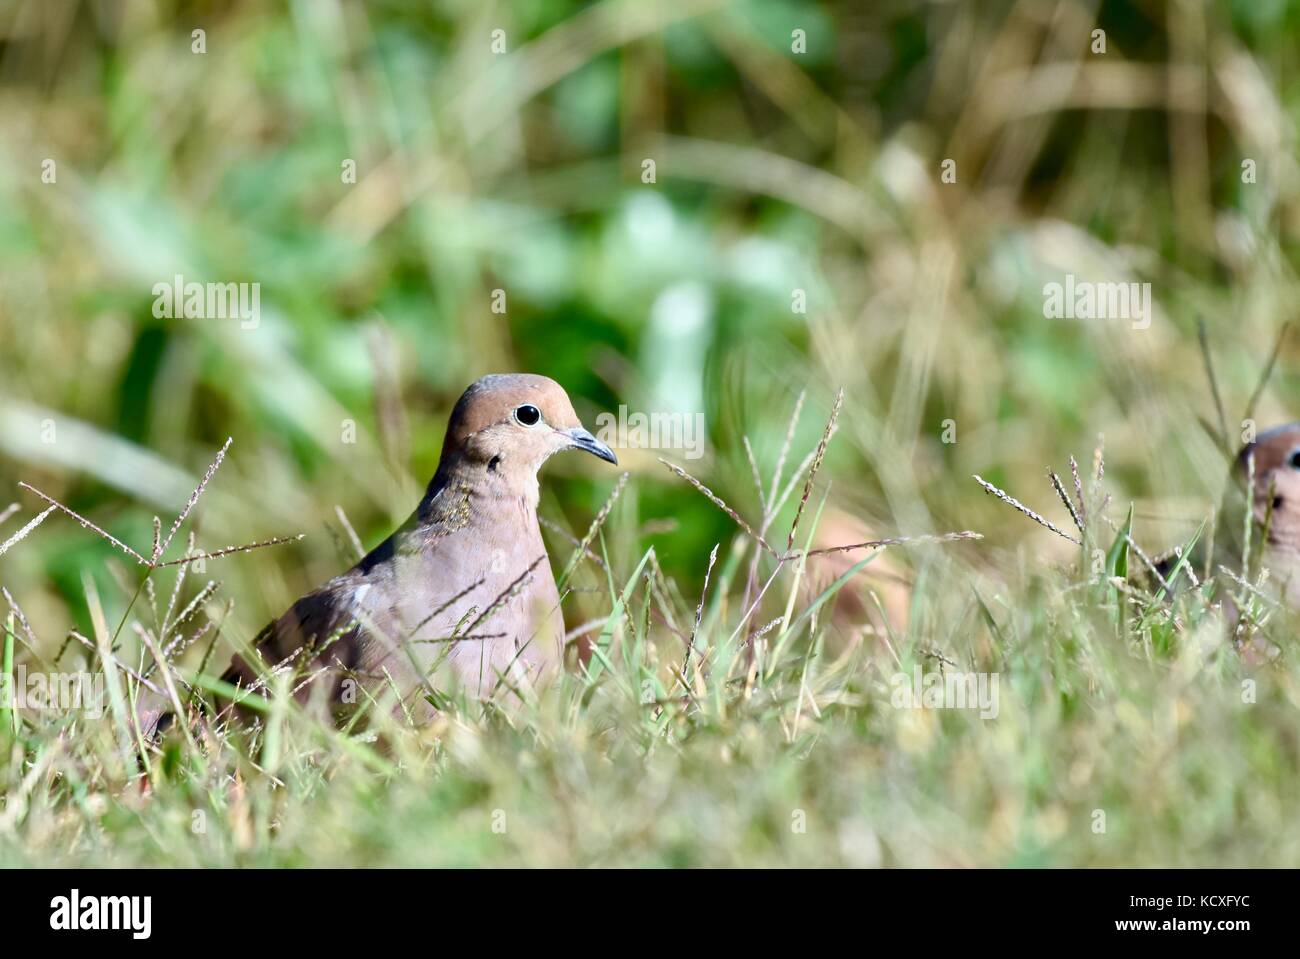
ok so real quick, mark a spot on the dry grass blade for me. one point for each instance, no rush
(601, 516)
(758, 599)
(228, 550)
(30, 640)
(85, 524)
(506, 595)
(1016, 504)
(353, 538)
(438, 611)
(311, 678)
(73, 634)
(1186, 568)
(304, 652)
(892, 541)
(1099, 460)
(194, 498)
(760, 633)
(1250, 588)
(459, 638)
(590, 536)
(816, 465)
(178, 585)
(699, 610)
(703, 590)
(267, 674)
(772, 505)
(721, 504)
(7, 512)
(1078, 491)
(935, 654)
(180, 644)
(22, 534)
(774, 508)
(1065, 498)
(164, 671)
(201, 597)
(63, 648)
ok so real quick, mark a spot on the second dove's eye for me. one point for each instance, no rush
(1294, 460)
(527, 415)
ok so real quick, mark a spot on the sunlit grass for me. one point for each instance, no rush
(1125, 727)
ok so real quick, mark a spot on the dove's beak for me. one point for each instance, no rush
(583, 440)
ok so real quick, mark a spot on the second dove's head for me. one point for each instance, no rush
(1276, 455)
(509, 424)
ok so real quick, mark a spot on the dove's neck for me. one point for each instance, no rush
(464, 488)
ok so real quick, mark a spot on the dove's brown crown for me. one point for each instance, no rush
(493, 399)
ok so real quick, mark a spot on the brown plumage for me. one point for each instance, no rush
(462, 593)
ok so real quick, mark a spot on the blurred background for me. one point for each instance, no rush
(794, 232)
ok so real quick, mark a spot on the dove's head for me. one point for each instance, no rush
(1276, 494)
(507, 425)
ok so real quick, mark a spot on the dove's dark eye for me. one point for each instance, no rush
(527, 415)
(1295, 460)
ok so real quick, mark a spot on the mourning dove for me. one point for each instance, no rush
(1275, 501)
(462, 593)
(1274, 460)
